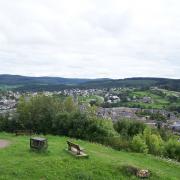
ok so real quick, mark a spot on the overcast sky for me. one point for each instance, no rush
(90, 38)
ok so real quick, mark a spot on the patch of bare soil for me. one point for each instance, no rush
(4, 143)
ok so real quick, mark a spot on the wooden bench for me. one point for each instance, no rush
(76, 150)
(23, 132)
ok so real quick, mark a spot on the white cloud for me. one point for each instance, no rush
(90, 38)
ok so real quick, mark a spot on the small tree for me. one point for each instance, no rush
(69, 105)
(156, 144)
(153, 141)
(172, 149)
(139, 145)
(129, 128)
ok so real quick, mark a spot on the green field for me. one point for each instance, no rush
(87, 99)
(9, 87)
(159, 102)
(18, 162)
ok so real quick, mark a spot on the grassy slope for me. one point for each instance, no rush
(17, 162)
(159, 102)
(87, 99)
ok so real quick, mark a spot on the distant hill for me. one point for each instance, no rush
(57, 83)
(172, 84)
(6, 79)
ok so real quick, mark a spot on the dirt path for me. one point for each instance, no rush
(4, 143)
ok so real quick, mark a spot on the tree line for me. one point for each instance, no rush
(52, 115)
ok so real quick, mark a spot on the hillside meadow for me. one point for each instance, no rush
(104, 163)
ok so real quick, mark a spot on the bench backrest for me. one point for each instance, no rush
(24, 132)
(76, 146)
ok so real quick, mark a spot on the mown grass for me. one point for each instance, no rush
(18, 162)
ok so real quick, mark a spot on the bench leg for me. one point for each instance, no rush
(78, 152)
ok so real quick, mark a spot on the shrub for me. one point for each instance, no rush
(98, 128)
(79, 125)
(139, 145)
(165, 133)
(117, 142)
(153, 141)
(172, 149)
(60, 125)
(129, 128)
(44, 114)
(129, 170)
(158, 117)
(156, 145)
(174, 107)
(37, 113)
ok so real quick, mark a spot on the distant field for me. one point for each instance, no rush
(9, 87)
(159, 102)
(18, 163)
(87, 99)
(171, 92)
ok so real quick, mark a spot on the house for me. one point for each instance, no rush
(146, 100)
(175, 127)
(151, 124)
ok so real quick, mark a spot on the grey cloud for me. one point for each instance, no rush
(90, 38)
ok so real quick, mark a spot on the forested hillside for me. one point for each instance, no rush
(56, 83)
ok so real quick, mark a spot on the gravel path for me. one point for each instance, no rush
(4, 143)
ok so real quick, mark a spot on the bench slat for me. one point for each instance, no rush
(76, 146)
(76, 150)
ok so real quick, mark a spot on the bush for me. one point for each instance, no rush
(172, 149)
(156, 145)
(139, 145)
(100, 128)
(174, 107)
(129, 170)
(79, 125)
(153, 141)
(44, 114)
(158, 117)
(60, 124)
(165, 133)
(37, 113)
(117, 142)
(129, 128)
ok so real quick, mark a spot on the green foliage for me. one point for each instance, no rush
(7, 123)
(161, 99)
(154, 142)
(80, 126)
(60, 124)
(129, 170)
(172, 149)
(17, 162)
(153, 116)
(139, 145)
(69, 105)
(165, 134)
(37, 113)
(157, 116)
(172, 98)
(116, 142)
(174, 107)
(44, 114)
(52, 115)
(155, 147)
(129, 127)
